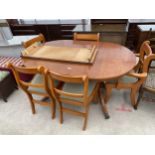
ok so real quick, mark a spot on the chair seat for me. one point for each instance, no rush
(124, 79)
(77, 88)
(128, 79)
(150, 81)
(3, 74)
(38, 79)
(153, 64)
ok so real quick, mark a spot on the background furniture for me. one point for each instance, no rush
(103, 68)
(122, 31)
(144, 32)
(149, 84)
(132, 36)
(7, 84)
(108, 32)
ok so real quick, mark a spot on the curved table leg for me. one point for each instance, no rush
(103, 104)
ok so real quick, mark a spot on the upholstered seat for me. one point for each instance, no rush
(38, 79)
(128, 79)
(77, 88)
(150, 81)
(153, 64)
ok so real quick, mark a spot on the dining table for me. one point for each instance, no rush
(111, 62)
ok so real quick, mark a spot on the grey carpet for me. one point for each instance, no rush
(16, 117)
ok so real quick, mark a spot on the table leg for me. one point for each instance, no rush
(103, 104)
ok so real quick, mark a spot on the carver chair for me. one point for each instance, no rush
(76, 91)
(37, 89)
(132, 81)
(37, 40)
(87, 37)
(149, 84)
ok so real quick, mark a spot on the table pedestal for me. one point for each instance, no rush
(103, 104)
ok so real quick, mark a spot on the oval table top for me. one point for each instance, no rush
(112, 61)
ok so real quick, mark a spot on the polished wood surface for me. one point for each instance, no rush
(112, 61)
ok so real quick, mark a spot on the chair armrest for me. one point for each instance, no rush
(137, 75)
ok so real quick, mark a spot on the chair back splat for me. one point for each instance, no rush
(87, 37)
(39, 39)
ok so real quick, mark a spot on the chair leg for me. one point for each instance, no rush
(133, 98)
(32, 104)
(141, 91)
(61, 112)
(86, 117)
(53, 109)
(103, 104)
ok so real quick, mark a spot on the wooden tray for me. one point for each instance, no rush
(67, 54)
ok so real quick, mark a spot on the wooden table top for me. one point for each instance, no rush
(112, 61)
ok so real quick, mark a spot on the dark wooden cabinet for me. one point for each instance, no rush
(109, 21)
(51, 32)
(133, 32)
(112, 31)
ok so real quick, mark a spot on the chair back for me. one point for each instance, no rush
(40, 38)
(145, 51)
(41, 71)
(58, 92)
(87, 37)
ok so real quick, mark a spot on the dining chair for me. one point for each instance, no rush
(37, 89)
(39, 39)
(87, 37)
(149, 84)
(145, 50)
(132, 81)
(76, 91)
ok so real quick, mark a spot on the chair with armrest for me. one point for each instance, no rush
(76, 91)
(39, 39)
(87, 37)
(132, 80)
(37, 89)
(149, 84)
